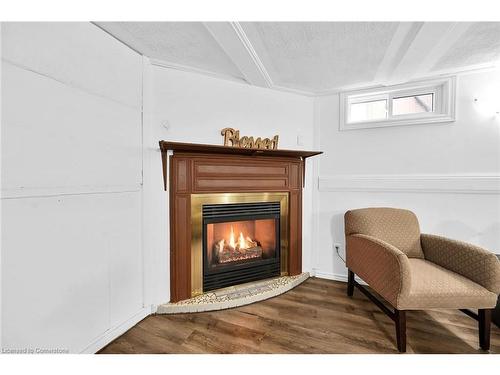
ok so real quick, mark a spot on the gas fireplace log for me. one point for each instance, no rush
(229, 254)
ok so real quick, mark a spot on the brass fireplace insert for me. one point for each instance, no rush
(197, 202)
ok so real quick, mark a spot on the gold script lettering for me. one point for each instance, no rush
(232, 139)
(245, 142)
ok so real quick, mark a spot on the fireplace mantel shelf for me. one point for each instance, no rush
(213, 149)
(200, 148)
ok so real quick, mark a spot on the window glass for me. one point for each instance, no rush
(414, 103)
(407, 105)
(368, 111)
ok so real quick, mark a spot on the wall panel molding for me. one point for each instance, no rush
(40, 192)
(435, 183)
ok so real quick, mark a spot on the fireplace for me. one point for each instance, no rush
(215, 188)
(237, 238)
(241, 243)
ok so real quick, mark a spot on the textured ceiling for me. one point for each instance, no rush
(182, 43)
(320, 55)
(314, 57)
(479, 45)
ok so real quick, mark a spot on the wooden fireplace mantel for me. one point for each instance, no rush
(215, 149)
(201, 148)
(200, 169)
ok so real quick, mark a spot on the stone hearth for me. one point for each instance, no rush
(234, 296)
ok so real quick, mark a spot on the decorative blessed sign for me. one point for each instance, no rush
(232, 139)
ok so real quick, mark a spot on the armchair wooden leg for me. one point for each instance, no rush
(398, 316)
(350, 283)
(484, 328)
(400, 320)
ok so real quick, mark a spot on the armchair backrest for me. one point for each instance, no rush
(395, 226)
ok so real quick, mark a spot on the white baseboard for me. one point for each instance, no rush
(335, 277)
(330, 276)
(116, 331)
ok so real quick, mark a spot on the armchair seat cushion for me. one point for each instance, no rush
(433, 286)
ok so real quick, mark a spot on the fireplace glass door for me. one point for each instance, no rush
(241, 243)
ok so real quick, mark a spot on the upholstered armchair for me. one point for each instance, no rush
(414, 271)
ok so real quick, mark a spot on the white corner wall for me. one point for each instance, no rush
(85, 242)
(448, 174)
(85, 247)
(71, 187)
(187, 107)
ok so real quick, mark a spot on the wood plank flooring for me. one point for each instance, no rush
(315, 317)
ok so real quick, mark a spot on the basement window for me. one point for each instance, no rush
(409, 104)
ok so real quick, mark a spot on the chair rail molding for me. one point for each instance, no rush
(412, 183)
(38, 192)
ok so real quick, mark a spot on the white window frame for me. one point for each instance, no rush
(444, 103)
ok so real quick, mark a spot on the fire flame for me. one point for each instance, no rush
(235, 248)
(243, 243)
(221, 245)
(231, 238)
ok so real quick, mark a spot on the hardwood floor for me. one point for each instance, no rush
(315, 317)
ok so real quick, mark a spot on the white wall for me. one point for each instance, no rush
(71, 186)
(85, 246)
(432, 159)
(84, 239)
(196, 107)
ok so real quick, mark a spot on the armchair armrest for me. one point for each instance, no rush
(384, 267)
(473, 262)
